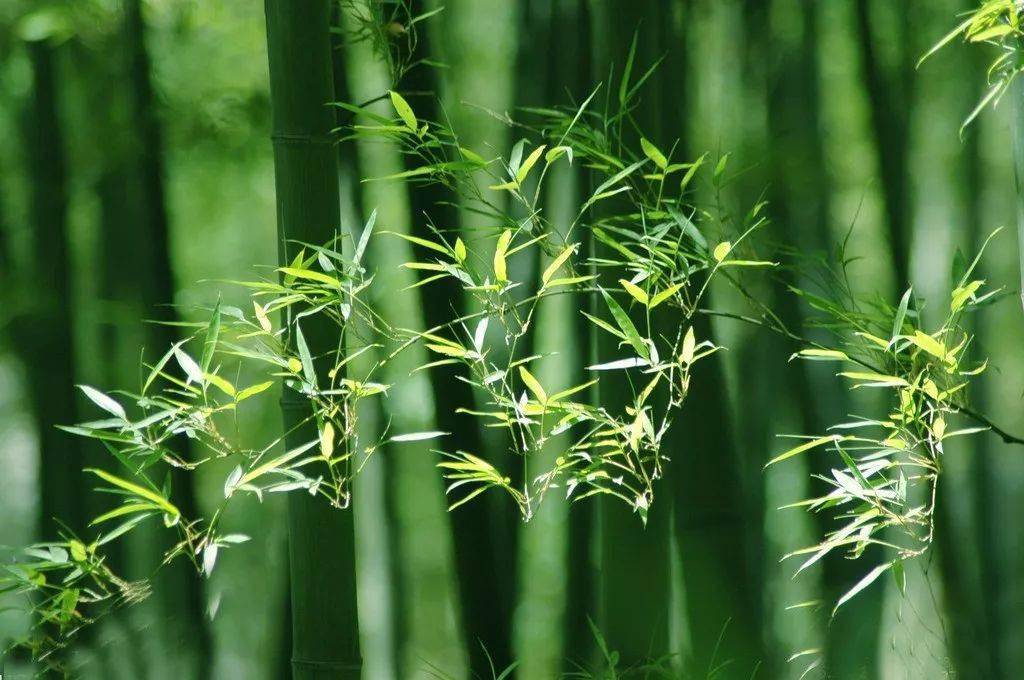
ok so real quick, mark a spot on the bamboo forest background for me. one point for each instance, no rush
(136, 171)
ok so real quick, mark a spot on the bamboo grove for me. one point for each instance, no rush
(586, 216)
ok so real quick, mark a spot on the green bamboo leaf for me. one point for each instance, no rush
(253, 390)
(122, 510)
(104, 402)
(867, 580)
(210, 342)
(404, 110)
(806, 446)
(304, 356)
(189, 365)
(310, 275)
(633, 337)
(558, 262)
(628, 70)
(665, 295)
(422, 242)
(274, 464)
(418, 436)
(901, 313)
(638, 293)
(528, 164)
(689, 347)
(533, 384)
(500, 267)
(364, 238)
(820, 355)
(137, 490)
(929, 344)
(654, 153)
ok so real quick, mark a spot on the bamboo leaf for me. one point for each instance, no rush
(901, 313)
(558, 262)
(500, 267)
(653, 153)
(636, 291)
(418, 436)
(665, 295)
(327, 440)
(404, 110)
(533, 385)
(305, 357)
(210, 342)
(192, 370)
(310, 275)
(364, 238)
(137, 490)
(867, 580)
(253, 390)
(628, 329)
(721, 251)
(528, 164)
(104, 402)
(261, 317)
(806, 446)
(422, 242)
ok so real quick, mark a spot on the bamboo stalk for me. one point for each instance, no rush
(325, 629)
(45, 338)
(185, 594)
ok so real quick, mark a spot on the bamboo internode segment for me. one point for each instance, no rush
(325, 629)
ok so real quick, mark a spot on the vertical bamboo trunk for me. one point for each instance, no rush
(484, 567)
(716, 528)
(44, 339)
(799, 197)
(971, 589)
(571, 42)
(890, 98)
(1018, 169)
(325, 630)
(890, 92)
(635, 593)
(183, 599)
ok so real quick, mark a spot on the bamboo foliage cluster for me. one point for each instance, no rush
(657, 270)
(191, 395)
(997, 23)
(882, 491)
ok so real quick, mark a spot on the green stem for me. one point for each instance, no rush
(325, 627)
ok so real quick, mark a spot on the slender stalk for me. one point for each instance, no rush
(1018, 168)
(45, 338)
(635, 594)
(573, 47)
(185, 597)
(325, 629)
(484, 567)
(891, 100)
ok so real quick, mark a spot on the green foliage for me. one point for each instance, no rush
(651, 282)
(190, 394)
(656, 250)
(882, 489)
(997, 23)
(391, 28)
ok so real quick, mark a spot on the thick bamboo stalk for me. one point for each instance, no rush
(634, 581)
(486, 581)
(184, 598)
(325, 630)
(45, 338)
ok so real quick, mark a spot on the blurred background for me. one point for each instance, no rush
(136, 171)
